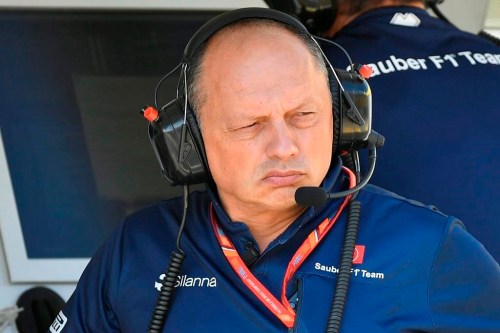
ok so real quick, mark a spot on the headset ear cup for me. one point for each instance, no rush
(351, 101)
(195, 131)
(178, 146)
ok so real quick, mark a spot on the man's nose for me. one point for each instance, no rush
(282, 141)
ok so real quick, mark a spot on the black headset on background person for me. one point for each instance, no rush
(315, 15)
(178, 144)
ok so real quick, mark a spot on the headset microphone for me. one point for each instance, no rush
(313, 196)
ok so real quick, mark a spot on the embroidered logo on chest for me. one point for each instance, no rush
(188, 281)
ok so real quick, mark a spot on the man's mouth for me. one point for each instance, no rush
(283, 178)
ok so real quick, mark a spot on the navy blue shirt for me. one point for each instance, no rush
(421, 272)
(436, 100)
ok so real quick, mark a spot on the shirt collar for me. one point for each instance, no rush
(333, 182)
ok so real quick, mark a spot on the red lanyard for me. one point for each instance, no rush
(282, 309)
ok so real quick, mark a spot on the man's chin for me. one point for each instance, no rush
(284, 198)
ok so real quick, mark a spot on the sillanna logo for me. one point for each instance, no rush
(187, 281)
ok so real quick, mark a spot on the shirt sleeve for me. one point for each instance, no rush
(89, 308)
(464, 286)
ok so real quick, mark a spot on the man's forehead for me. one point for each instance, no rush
(250, 27)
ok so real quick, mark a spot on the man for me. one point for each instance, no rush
(436, 103)
(260, 92)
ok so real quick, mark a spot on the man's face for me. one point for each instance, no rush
(267, 121)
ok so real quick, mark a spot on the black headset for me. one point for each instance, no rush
(316, 15)
(176, 137)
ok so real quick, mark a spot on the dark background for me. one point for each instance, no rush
(72, 84)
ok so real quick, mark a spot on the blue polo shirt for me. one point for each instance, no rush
(421, 271)
(436, 101)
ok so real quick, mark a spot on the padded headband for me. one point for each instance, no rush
(220, 21)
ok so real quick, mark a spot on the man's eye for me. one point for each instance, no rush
(304, 119)
(303, 116)
(249, 125)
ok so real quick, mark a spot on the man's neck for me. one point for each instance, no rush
(266, 226)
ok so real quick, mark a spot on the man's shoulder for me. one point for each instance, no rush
(380, 199)
(167, 211)
(403, 224)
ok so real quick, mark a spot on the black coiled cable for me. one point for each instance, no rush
(490, 37)
(482, 33)
(168, 282)
(344, 275)
(433, 6)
